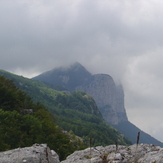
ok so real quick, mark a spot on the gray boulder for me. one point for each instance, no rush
(142, 153)
(38, 153)
(41, 153)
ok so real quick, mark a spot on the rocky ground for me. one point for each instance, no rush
(142, 153)
(40, 153)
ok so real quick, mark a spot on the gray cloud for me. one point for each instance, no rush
(120, 38)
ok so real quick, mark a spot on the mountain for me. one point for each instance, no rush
(108, 96)
(68, 77)
(75, 112)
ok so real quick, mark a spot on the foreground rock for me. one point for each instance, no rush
(38, 153)
(143, 154)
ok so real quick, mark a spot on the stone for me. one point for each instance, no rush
(38, 153)
(41, 153)
(109, 97)
(142, 153)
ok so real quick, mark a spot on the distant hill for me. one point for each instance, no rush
(108, 96)
(129, 129)
(75, 112)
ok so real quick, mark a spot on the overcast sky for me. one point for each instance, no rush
(123, 38)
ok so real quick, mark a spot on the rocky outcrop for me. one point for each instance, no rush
(38, 153)
(41, 153)
(108, 96)
(142, 153)
(120, 106)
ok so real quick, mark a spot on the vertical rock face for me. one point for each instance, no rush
(120, 108)
(108, 96)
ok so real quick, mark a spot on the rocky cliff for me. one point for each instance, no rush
(142, 153)
(108, 96)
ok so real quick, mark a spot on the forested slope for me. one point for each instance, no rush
(23, 123)
(75, 112)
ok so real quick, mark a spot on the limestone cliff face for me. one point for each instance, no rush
(120, 107)
(108, 96)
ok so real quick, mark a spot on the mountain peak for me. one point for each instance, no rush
(69, 77)
(73, 67)
(76, 65)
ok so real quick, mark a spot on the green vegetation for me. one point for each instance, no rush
(23, 123)
(79, 113)
(75, 112)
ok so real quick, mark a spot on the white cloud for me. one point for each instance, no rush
(144, 73)
(143, 82)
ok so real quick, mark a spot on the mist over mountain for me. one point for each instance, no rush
(108, 96)
(68, 77)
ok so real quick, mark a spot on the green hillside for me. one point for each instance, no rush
(75, 112)
(23, 123)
